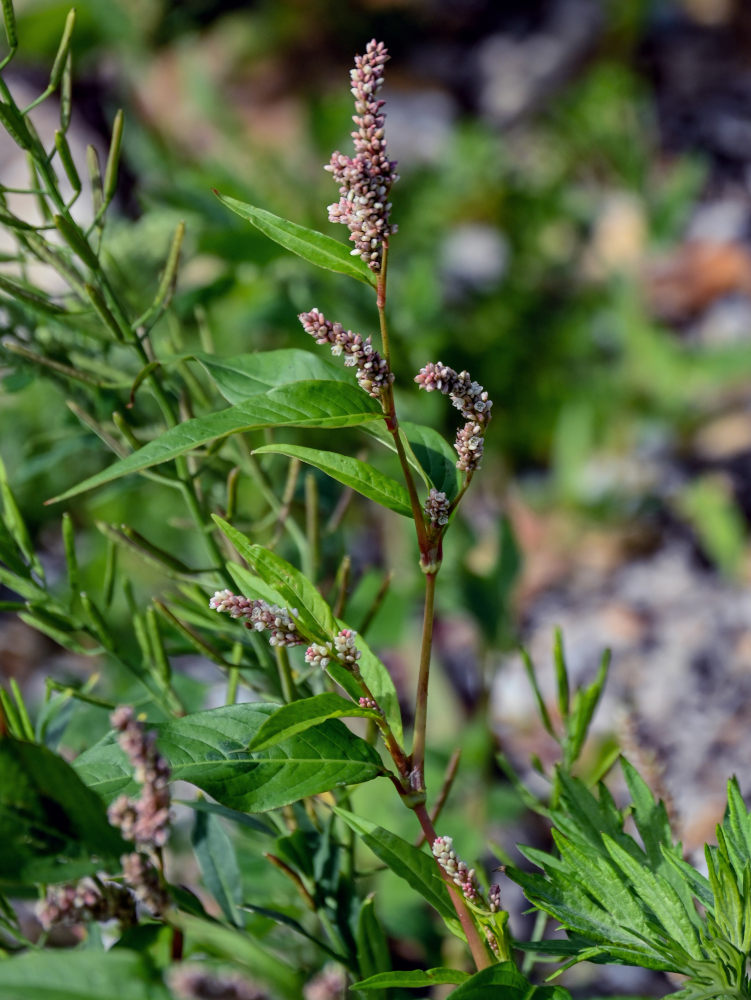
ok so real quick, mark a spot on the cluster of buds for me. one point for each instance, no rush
(365, 180)
(84, 902)
(144, 820)
(341, 648)
(370, 703)
(470, 399)
(437, 507)
(494, 898)
(259, 616)
(458, 872)
(192, 982)
(373, 373)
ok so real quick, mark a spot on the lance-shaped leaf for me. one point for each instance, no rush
(297, 593)
(408, 862)
(289, 720)
(217, 860)
(321, 250)
(428, 451)
(301, 404)
(208, 749)
(504, 982)
(245, 375)
(351, 472)
(70, 974)
(412, 979)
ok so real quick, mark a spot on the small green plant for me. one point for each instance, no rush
(288, 906)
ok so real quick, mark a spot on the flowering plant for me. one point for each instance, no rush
(278, 766)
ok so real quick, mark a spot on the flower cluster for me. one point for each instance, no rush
(437, 507)
(470, 399)
(458, 872)
(192, 982)
(144, 820)
(260, 616)
(85, 901)
(365, 180)
(342, 648)
(370, 703)
(373, 373)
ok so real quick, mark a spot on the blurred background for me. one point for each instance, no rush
(574, 220)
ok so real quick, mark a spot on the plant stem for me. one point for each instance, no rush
(389, 409)
(285, 674)
(421, 698)
(476, 944)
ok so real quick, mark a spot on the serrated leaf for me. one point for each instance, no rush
(289, 720)
(68, 974)
(297, 593)
(321, 250)
(412, 979)
(408, 862)
(301, 404)
(216, 858)
(50, 822)
(208, 749)
(359, 476)
(659, 896)
(244, 375)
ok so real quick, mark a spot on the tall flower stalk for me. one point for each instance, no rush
(365, 180)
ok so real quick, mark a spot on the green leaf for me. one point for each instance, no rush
(67, 974)
(297, 593)
(412, 979)
(373, 955)
(50, 823)
(359, 476)
(657, 893)
(416, 867)
(216, 858)
(238, 948)
(321, 250)
(245, 375)
(289, 720)
(508, 984)
(380, 684)
(301, 404)
(241, 818)
(208, 749)
(429, 452)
